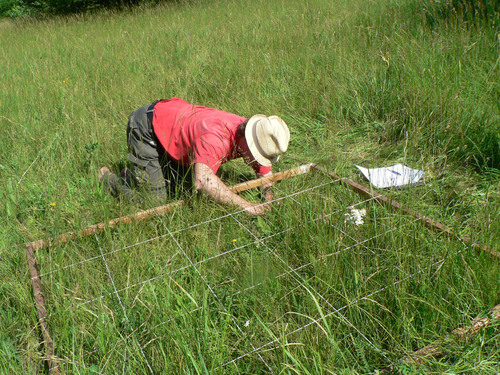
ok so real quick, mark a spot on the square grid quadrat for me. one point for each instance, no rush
(232, 293)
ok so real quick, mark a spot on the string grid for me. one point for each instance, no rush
(198, 282)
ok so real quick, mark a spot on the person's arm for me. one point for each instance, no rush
(206, 181)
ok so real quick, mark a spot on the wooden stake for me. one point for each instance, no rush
(90, 230)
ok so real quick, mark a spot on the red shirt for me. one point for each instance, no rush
(196, 134)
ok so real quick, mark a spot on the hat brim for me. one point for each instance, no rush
(251, 135)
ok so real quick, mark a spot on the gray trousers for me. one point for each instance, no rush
(143, 150)
(153, 170)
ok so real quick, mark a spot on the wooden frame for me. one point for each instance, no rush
(34, 246)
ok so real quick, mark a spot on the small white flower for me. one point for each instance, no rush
(355, 216)
(247, 323)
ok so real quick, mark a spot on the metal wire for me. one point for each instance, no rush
(288, 271)
(212, 291)
(314, 321)
(320, 217)
(180, 230)
(123, 309)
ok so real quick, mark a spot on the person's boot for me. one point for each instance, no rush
(109, 181)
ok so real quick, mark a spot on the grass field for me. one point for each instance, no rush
(206, 289)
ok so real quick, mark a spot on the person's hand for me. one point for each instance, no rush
(268, 195)
(257, 209)
(266, 192)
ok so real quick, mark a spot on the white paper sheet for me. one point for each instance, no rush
(394, 176)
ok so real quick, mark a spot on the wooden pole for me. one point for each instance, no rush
(34, 246)
(435, 349)
(41, 310)
(91, 229)
(273, 178)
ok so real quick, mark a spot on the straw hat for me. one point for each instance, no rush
(267, 138)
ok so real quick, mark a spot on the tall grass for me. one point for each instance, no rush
(371, 83)
(385, 294)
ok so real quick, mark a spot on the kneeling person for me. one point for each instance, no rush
(170, 139)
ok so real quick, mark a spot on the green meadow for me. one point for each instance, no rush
(301, 289)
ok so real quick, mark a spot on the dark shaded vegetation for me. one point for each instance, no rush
(34, 8)
(468, 11)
